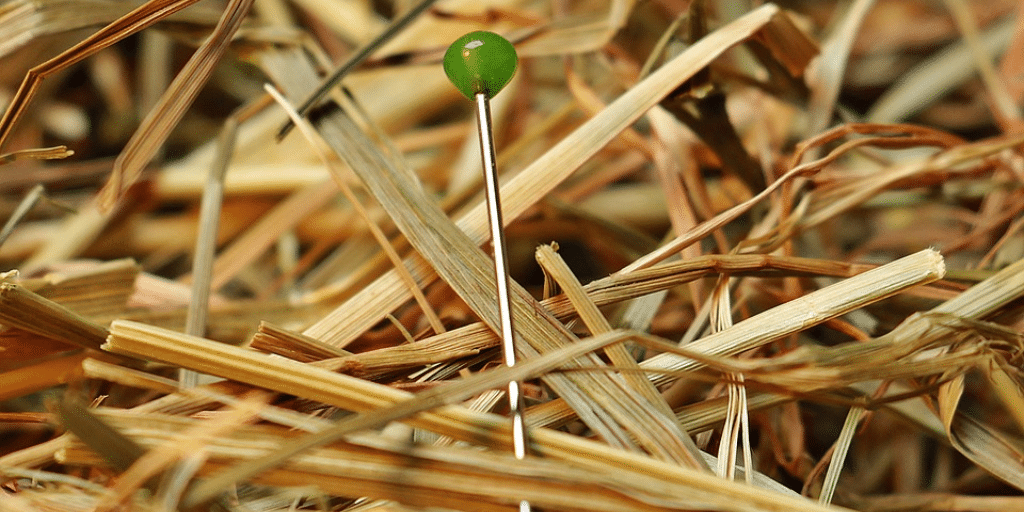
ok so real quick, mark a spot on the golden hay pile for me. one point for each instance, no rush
(765, 257)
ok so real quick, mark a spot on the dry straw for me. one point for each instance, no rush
(743, 263)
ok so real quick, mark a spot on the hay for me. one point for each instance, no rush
(788, 237)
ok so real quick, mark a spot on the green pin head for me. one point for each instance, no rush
(480, 62)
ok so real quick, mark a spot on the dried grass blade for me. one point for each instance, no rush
(987, 296)
(274, 339)
(556, 268)
(310, 134)
(154, 130)
(206, 242)
(998, 454)
(53, 153)
(23, 208)
(831, 66)
(118, 450)
(31, 312)
(1007, 387)
(995, 453)
(95, 369)
(208, 395)
(840, 449)
(672, 437)
(35, 456)
(99, 291)
(698, 232)
(21, 21)
(737, 423)
(811, 309)
(702, 416)
(209, 222)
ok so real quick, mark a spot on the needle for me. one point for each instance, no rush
(479, 64)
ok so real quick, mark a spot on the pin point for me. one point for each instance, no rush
(480, 64)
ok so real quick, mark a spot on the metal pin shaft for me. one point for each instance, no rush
(515, 397)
